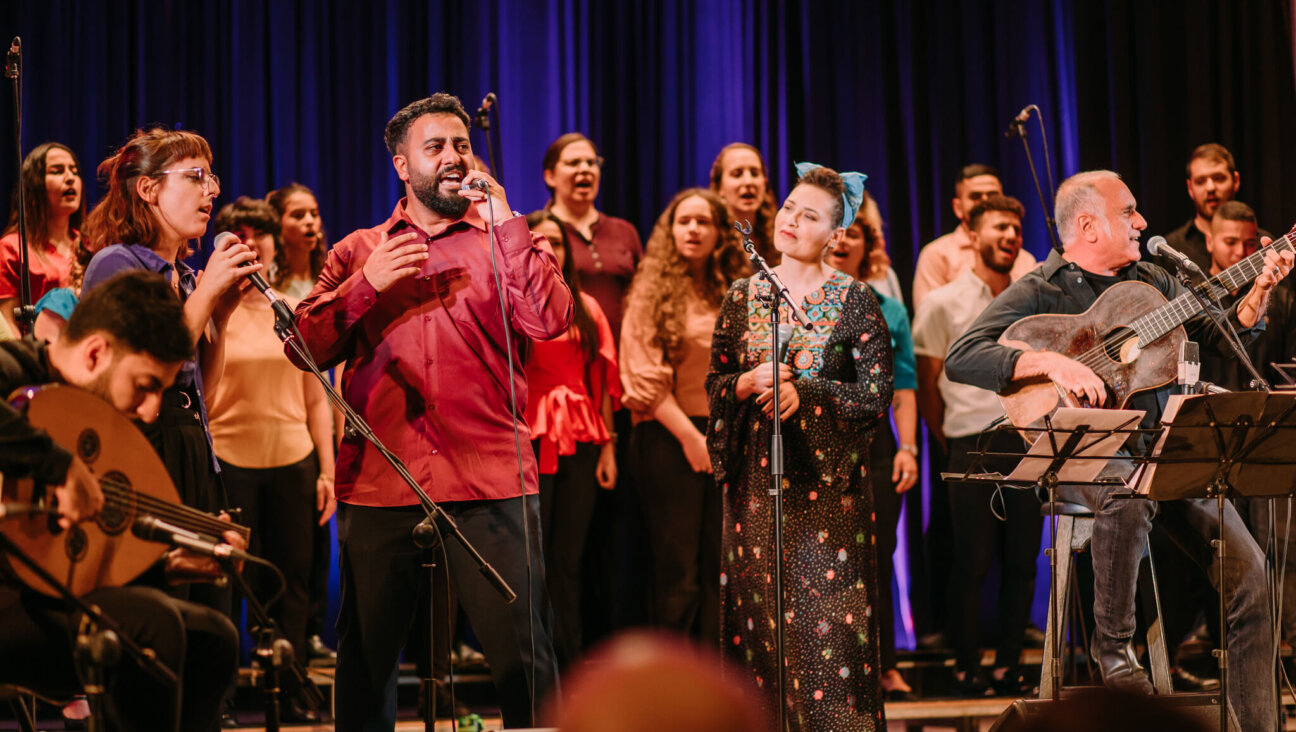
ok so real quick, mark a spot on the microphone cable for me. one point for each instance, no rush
(517, 446)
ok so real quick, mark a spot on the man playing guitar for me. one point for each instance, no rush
(124, 343)
(1099, 227)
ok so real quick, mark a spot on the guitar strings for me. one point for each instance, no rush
(1097, 356)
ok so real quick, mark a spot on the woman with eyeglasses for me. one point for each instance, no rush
(55, 207)
(159, 200)
(739, 177)
(606, 249)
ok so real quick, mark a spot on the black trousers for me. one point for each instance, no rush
(977, 533)
(683, 514)
(200, 645)
(383, 579)
(566, 507)
(279, 506)
(886, 509)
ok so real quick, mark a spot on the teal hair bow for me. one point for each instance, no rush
(853, 196)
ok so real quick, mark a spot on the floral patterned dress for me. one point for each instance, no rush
(843, 379)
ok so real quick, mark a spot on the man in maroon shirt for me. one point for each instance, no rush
(412, 306)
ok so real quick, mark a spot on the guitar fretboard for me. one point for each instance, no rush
(1178, 311)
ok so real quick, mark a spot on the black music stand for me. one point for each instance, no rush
(1218, 446)
(1072, 447)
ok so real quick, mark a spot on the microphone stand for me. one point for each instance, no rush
(273, 653)
(1018, 127)
(428, 532)
(99, 640)
(778, 292)
(436, 516)
(25, 313)
(1219, 487)
(1221, 324)
(483, 121)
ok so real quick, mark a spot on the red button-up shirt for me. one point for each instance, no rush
(426, 363)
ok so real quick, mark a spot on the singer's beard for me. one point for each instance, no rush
(428, 191)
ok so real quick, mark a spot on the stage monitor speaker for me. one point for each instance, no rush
(1202, 709)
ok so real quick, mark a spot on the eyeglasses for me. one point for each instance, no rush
(577, 162)
(205, 179)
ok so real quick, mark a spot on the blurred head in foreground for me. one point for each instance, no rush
(642, 682)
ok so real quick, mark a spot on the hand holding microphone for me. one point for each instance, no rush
(487, 194)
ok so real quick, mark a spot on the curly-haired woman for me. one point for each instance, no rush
(692, 257)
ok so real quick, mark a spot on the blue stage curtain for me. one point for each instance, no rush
(907, 92)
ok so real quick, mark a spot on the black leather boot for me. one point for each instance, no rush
(1118, 664)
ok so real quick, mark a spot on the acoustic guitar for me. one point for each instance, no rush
(1130, 337)
(102, 552)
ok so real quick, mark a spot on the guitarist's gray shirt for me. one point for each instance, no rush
(1060, 287)
(24, 450)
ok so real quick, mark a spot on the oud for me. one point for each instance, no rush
(102, 552)
(1130, 337)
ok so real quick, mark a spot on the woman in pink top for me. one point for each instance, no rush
(571, 387)
(693, 256)
(51, 180)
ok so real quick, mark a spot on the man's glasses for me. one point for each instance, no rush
(205, 179)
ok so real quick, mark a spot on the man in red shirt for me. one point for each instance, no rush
(413, 308)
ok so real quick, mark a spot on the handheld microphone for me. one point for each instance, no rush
(276, 303)
(480, 184)
(151, 528)
(785, 331)
(1157, 245)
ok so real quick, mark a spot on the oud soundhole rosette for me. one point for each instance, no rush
(88, 445)
(119, 503)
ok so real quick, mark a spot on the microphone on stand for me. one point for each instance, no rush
(1017, 125)
(482, 118)
(12, 508)
(150, 528)
(1157, 245)
(1189, 372)
(281, 309)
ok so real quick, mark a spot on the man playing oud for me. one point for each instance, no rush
(1099, 227)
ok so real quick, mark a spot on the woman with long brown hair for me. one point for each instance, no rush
(693, 255)
(298, 263)
(159, 199)
(55, 208)
(739, 176)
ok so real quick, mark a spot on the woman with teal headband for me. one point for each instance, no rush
(834, 385)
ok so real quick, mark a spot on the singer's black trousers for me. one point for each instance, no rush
(37, 635)
(383, 578)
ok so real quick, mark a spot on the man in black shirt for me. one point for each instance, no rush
(124, 343)
(1099, 227)
(1213, 180)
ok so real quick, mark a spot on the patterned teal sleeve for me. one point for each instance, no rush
(904, 365)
